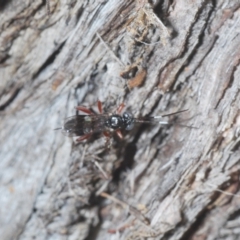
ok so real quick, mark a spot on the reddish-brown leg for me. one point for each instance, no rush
(120, 108)
(106, 134)
(80, 139)
(85, 110)
(108, 138)
(99, 103)
(119, 134)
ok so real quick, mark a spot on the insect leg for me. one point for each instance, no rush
(120, 108)
(106, 134)
(85, 110)
(108, 143)
(99, 103)
(83, 137)
(119, 134)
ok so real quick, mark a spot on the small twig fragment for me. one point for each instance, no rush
(136, 213)
(109, 49)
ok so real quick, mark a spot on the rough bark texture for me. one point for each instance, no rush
(176, 182)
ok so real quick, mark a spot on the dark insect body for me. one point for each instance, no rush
(83, 126)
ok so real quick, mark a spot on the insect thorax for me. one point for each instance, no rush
(115, 121)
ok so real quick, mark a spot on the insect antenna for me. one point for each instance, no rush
(170, 114)
(178, 123)
(155, 120)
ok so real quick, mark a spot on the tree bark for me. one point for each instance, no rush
(178, 181)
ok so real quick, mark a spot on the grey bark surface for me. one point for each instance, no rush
(174, 182)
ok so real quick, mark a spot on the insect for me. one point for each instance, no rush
(83, 126)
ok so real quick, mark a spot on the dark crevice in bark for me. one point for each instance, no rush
(216, 144)
(129, 153)
(214, 3)
(161, 10)
(191, 29)
(79, 219)
(187, 40)
(161, 135)
(142, 174)
(4, 3)
(45, 2)
(72, 3)
(200, 219)
(95, 200)
(3, 57)
(79, 13)
(234, 215)
(162, 7)
(50, 60)
(156, 104)
(236, 147)
(11, 99)
(191, 56)
(213, 143)
(127, 162)
(229, 85)
(93, 231)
